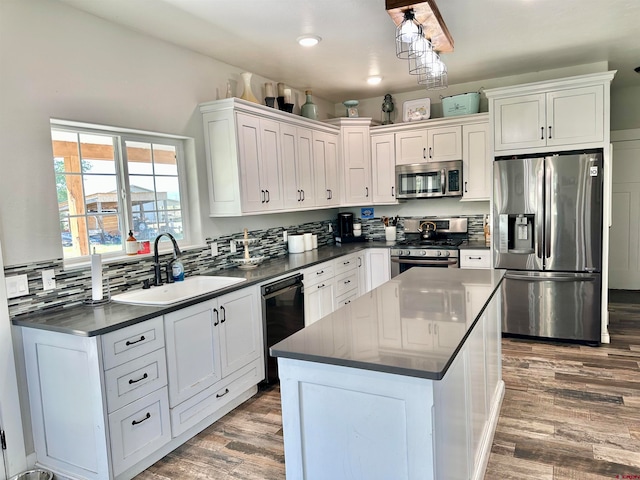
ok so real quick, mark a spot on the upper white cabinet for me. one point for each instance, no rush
(560, 114)
(262, 160)
(383, 162)
(476, 162)
(439, 144)
(326, 158)
(297, 166)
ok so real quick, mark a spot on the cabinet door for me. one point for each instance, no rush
(290, 189)
(411, 147)
(305, 166)
(193, 358)
(356, 154)
(362, 273)
(384, 168)
(476, 162)
(575, 115)
(378, 267)
(444, 144)
(270, 164)
(318, 301)
(389, 322)
(249, 151)
(240, 329)
(519, 122)
(325, 157)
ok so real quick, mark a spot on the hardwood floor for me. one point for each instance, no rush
(570, 412)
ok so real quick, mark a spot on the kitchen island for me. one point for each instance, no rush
(403, 383)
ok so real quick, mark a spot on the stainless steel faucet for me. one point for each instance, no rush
(157, 270)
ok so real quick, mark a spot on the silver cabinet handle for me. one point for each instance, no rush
(541, 133)
(393, 193)
(424, 153)
(430, 155)
(217, 320)
(302, 195)
(268, 196)
(224, 314)
(262, 196)
(367, 191)
(550, 132)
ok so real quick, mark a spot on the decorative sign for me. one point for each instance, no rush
(366, 213)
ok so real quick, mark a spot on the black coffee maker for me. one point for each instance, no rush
(345, 225)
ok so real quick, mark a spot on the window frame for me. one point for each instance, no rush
(122, 135)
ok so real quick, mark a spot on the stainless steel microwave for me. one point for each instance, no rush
(431, 179)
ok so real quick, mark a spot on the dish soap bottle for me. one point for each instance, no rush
(309, 109)
(131, 246)
(487, 231)
(177, 269)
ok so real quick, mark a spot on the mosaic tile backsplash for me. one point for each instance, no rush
(73, 285)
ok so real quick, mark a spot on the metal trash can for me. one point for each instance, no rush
(36, 474)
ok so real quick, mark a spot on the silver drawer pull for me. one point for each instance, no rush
(131, 382)
(138, 422)
(142, 339)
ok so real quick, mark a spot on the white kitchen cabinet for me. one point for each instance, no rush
(384, 168)
(378, 265)
(297, 166)
(563, 114)
(319, 292)
(259, 155)
(477, 164)
(475, 258)
(326, 160)
(84, 427)
(438, 144)
(206, 343)
(361, 261)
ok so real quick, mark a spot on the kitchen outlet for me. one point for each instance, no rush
(48, 279)
(232, 246)
(17, 286)
(214, 249)
(284, 236)
(330, 228)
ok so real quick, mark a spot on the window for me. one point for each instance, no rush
(110, 182)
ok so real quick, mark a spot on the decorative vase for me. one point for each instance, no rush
(309, 109)
(247, 94)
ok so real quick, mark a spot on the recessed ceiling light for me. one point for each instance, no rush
(309, 40)
(374, 80)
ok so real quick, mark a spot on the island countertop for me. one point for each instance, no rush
(412, 325)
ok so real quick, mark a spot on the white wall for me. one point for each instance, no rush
(57, 62)
(625, 107)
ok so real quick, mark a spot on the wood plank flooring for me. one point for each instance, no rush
(570, 412)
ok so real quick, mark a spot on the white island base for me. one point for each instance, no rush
(353, 423)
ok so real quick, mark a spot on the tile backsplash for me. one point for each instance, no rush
(73, 285)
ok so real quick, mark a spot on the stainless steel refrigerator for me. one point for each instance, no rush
(547, 220)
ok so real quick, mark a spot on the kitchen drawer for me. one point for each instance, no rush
(345, 282)
(346, 298)
(122, 345)
(139, 429)
(200, 406)
(318, 273)
(475, 258)
(135, 379)
(345, 263)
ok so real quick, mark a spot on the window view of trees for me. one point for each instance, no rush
(108, 185)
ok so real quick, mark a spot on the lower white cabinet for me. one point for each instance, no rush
(475, 258)
(206, 343)
(378, 267)
(319, 292)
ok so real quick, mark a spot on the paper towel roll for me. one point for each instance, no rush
(96, 277)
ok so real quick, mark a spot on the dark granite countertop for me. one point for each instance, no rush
(390, 328)
(87, 320)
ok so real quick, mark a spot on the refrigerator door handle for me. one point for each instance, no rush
(539, 214)
(547, 211)
(550, 278)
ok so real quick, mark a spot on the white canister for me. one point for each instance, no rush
(357, 229)
(314, 241)
(308, 242)
(295, 243)
(390, 234)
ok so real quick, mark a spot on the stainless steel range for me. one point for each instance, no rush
(440, 250)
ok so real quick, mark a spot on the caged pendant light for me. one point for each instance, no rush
(408, 34)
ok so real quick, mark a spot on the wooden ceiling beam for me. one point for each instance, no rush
(428, 15)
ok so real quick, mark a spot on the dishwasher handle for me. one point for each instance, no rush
(275, 293)
(281, 286)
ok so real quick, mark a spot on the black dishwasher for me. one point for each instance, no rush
(282, 316)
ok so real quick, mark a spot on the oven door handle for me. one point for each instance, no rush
(426, 263)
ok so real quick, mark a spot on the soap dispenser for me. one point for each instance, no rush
(177, 269)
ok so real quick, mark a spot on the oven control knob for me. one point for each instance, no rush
(405, 253)
(447, 253)
(423, 253)
(438, 253)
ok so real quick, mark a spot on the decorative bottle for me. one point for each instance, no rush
(248, 94)
(309, 109)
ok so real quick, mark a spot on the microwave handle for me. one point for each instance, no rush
(443, 181)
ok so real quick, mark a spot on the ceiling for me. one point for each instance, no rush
(493, 38)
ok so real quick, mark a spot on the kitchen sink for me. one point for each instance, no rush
(177, 292)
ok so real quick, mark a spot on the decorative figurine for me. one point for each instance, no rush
(387, 108)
